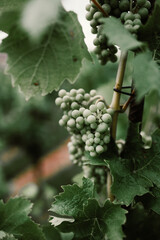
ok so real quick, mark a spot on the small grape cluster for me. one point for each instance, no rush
(104, 50)
(87, 120)
(131, 13)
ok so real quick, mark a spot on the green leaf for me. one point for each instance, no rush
(118, 35)
(70, 202)
(138, 172)
(40, 68)
(14, 220)
(146, 75)
(53, 233)
(90, 220)
(10, 5)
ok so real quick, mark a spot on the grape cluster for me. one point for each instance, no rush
(104, 50)
(87, 120)
(98, 174)
(131, 13)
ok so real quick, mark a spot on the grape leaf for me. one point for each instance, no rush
(146, 75)
(10, 5)
(122, 38)
(14, 220)
(90, 220)
(138, 172)
(40, 68)
(53, 233)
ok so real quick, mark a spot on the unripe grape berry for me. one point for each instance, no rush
(91, 119)
(94, 30)
(96, 42)
(80, 120)
(91, 148)
(65, 118)
(90, 135)
(93, 125)
(75, 113)
(61, 122)
(92, 154)
(129, 27)
(122, 16)
(106, 7)
(81, 110)
(129, 22)
(129, 16)
(93, 9)
(97, 15)
(99, 149)
(78, 126)
(86, 96)
(137, 16)
(137, 22)
(93, 23)
(147, 5)
(63, 105)
(93, 93)
(72, 149)
(106, 139)
(102, 127)
(143, 12)
(97, 134)
(66, 99)
(62, 93)
(113, 58)
(71, 123)
(105, 53)
(140, 3)
(107, 118)
(88, 7)
(74, 105)
(73, 92)
(88, 143)
(91, 140)
(97, 140)
(79, 97)
(124, 5)
(113, 49)
(100, 105)
(97, 50)
(58, 101)
(86, 113)
(81, 91)
(93, 108)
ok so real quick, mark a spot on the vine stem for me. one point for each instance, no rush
(115, 105)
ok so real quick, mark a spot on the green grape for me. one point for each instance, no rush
(81, 91)
(124, 5)
(84, 137)
(105, 53)
(86, 113)
(100, 105)
(71, 123)
(140, 3)
(137, 16)
(74, 105)
(63, 105)
(93, 10)
(97, 50)
(137, 22)
(91, 140)
(97, 134)
(73, 92)
(147, 5)
(88, 143)
(93, 23)
(97, 140)
(92, 154)
(79, 97)
(78, 126)
(102, 127)
(114, 3)
(130, 22)
(129, 27)
(90, 135)
(93, 125)
(58, 101)
(122, 16)
(96, 42)
(65, 118)
(136, 27)
(91, 148)
(97, 15)
(87, 96)
(93, 93)
(62, 93)
(80, 120)
(66, 99)
(89, 16)
(93, 108)
(107, 118)
(99, 149)
(106, 7)
(81, 110)
(106, 139)
(129, 16)
(113, 49)
(61, 122)
(88, 7)
(113, 58)
(143, 12)
(72, 149)
(75, 113)
(94, 30)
